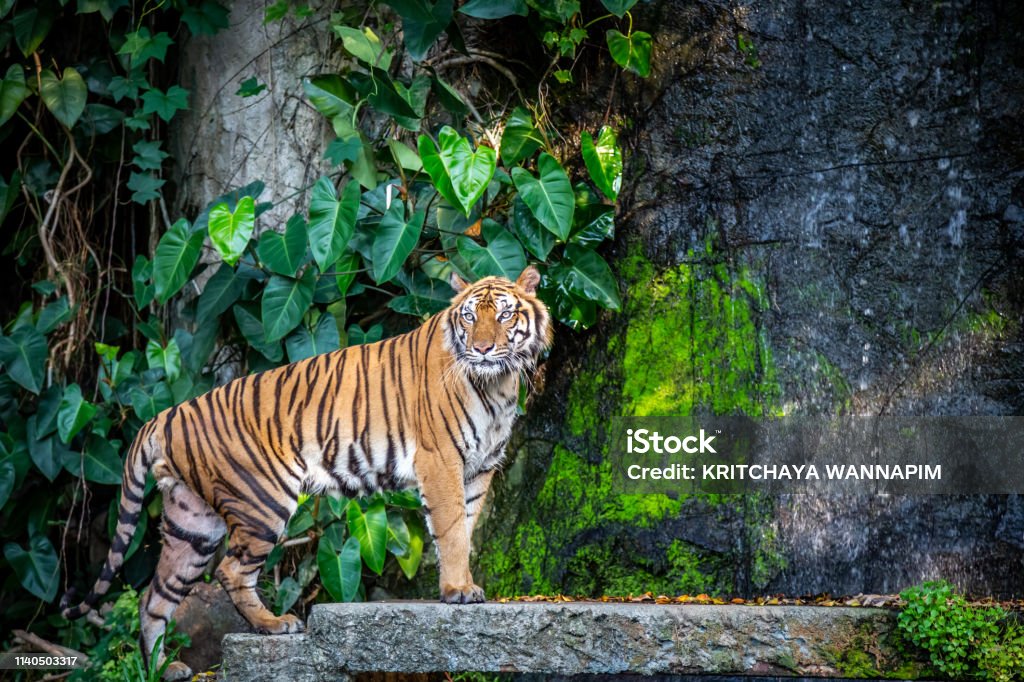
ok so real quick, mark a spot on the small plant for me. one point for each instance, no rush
(961, 641)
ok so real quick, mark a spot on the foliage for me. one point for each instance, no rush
(961, 641)
(114, 329)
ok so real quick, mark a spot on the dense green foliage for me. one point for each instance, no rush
(960, 640)
(112, 330)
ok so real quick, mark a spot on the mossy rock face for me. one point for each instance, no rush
(687, 342)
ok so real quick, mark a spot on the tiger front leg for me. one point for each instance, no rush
(443, 495)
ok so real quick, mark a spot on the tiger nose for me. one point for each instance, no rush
(482, 347)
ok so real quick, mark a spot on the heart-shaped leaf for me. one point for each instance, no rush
(331, 222)
(603, 160)
(37, 569)
(285, 301)
(283, 253)
(220, 293)
(520, 138)
(364, 45)
(23, 354)
(75, 412)
(550, 197)
(176, 255)
(422, 23)
(252, 329)
(395, 239)
(587, 275)
(537, 239)
(340, 571)
(304, 343)
(13, 91)
(495, 9)
(460, 174)
(632, 52)
(410, 563)
(230, 231)
(371, 529)
(64, 97)
(502, 257)
(31, 26)
(618, 7)
(167, 358)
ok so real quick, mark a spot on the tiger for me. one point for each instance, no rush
(432, 409)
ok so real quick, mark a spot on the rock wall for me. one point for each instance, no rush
(822, 216)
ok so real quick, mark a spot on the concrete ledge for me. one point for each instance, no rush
(559, 639)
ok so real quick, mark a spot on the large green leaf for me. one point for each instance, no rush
(603, 160)
(331, 222)
(398, 533)
(304, 343)
(252, 329)
(167, 358)
(142, 289)
(145, 187)
(206, 18)
(9, 193)
(37, 569)
(537, 239)
(422, 23)
(150, 401)
(283, 253)
(495, 9)
(141, 46)
(394, 241)
(632, 52)
(550, 197)
(618, 7)
(410, 563)
(460, 174)
(331, 95)
(98, 462)
(64, 97)
(340, 571)
(371, 529)
(23, 354)
(502, 257)
(230, 231)
(7, 479)
(31, 26)
(520, 138)
(220, 293)
(593, 224)
(588, 275)
(75, 412)
(176, 255)
(13, 91)
(365, 45)
(285, 301)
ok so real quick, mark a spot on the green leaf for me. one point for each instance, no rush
(13, 91)
(167, 358)
(250, 87)
(64, 97)
(287, 594)
(449, 98)
(220, 293)
(165, 104)
(176, 255)
(145, 187)
(304, 343)
(9, 192)
(371, 529)
(275, 12)
(341, 572)
(30, 28)
(127, 88)
(364, 45)
(141, 46)
(588, 275)
(206, 18)
(252, 329)
(404, 156)
(100, 462)
(53, 315)
(422, 23)
(632, 52)
(356, 335)
(331, 95)
(151, 401)
(7, 478)
(230, 231)
(344, 149)
(495, 9)
(398, 533)
(45, 452)
(502, 257)
(593, 224)
(410, 563)
(285, 301)
(75, 412)
(37, 569)
(550, 198)
(331, 222)
(520, 139)
(99, 119)
(142, 273)
(618, 7)
(460, 174)
(23, 354)
(283, 253)
(395, 240)
(604, 161)
(537, 239)
(148, 155)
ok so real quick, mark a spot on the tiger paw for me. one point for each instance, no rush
(466, 594)
(285, 625)
(177, 671)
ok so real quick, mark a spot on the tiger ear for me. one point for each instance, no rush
(457, 282)
(528, 280)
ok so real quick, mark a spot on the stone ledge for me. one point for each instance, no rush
(558, 639)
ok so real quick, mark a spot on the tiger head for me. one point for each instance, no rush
(497, 327)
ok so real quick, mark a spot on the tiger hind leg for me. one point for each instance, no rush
(192, 533)
(239, 573)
